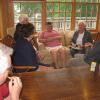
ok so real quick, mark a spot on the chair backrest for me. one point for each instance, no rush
(22, 70)
(11, 31)
(68, 37)
(97, 36)
(8, 40)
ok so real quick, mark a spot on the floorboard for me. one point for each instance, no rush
(72, 83)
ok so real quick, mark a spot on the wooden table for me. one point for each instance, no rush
(74, 83)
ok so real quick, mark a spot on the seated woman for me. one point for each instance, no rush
(24, 53)
(81, 40)
(51, 39)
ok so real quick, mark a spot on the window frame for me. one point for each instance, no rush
(73, 13)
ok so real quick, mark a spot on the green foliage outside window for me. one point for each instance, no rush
(59, 0)
(58, 10)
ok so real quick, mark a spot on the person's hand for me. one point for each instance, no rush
(53, 38)
(88, 44)
(40, 55)
(49, 39)
(73, 44)
(79, 46)
(15, 86)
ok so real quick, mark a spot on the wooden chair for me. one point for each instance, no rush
(8, 41)
(26, 73)
(23, 69)
(20, 70)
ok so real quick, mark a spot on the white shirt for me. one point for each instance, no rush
(79, 39)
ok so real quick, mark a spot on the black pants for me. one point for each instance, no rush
(74, 51)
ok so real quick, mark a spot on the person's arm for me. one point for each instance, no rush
(58, 37)
(15, 86)
(41, 38)
(55, 36)
(89, 42)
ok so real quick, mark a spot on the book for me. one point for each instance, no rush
(93, 66)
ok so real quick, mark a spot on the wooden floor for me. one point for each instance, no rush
(74, 83)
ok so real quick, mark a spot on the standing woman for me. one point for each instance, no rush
(23, 20)
(81, 40)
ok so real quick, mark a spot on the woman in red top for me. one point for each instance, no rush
(52, 41)
(13, 89)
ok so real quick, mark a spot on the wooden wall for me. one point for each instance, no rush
(6, 16)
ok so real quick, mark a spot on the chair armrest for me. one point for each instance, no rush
(41, 46)
(23, 67)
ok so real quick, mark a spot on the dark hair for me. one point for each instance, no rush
(28, 29)
(48, 23)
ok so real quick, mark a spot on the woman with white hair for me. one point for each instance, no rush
(10, 91)
(81, 40)
(23, 20)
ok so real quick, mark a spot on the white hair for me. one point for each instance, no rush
(22, 17)
(82, 21)
(5, 53)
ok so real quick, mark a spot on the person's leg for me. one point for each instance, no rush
(54, 57)
(73, 52)
(63, 56)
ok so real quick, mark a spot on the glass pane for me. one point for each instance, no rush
(33, 10)
(69, 0)
(96, 1)
(59, 0)
(63, 7)
(80, 0)
(56, 7)
(83, 8)
(55, 15)
(89, 10)
(78, 8)
(68, 7)
(49, 7)
(49, 0)
(90, 1)
(16, 12)
(94, 10)
(62, 15)
(68, 15)
(78, 14)
(49, 15)
(68, 21)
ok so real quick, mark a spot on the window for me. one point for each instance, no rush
(64, 14)
(87, 10)
(59, 13)
(32, 9)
